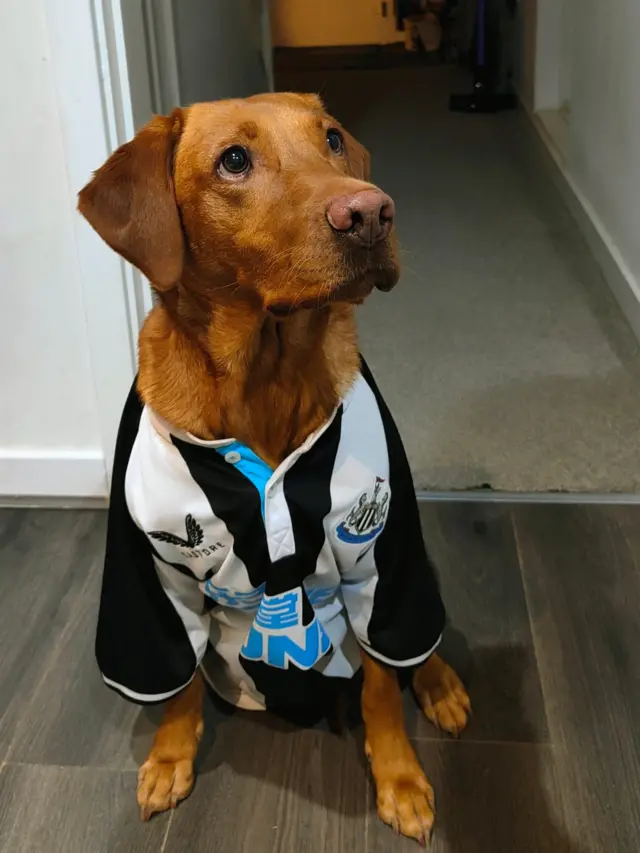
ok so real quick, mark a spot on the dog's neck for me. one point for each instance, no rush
(228, 369)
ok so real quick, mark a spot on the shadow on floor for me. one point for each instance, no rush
(492, 796)
(497, 797)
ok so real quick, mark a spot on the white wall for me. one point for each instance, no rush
(565, 71)
(604, 131)
(525, 52)
(220, 49)
(549, 46)
(587, 56)
(59, 286)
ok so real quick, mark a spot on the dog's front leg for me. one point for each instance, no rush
(167, 777)
(405, 797)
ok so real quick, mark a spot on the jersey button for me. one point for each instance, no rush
(232, 457)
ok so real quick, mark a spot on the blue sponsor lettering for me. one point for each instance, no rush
(279, 638)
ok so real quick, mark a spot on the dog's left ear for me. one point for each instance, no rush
(358, 158)
(131, 202)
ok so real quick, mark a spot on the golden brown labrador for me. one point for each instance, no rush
(259, 230)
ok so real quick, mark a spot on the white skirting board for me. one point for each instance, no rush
(51, 473)
(488, 496)
(624, 285)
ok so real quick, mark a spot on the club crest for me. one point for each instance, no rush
(367, 519)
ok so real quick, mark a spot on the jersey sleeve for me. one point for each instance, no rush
(152, 631)
(391, 593)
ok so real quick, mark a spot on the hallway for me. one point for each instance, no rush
(502, 353)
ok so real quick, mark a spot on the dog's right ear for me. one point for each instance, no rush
(131, 202)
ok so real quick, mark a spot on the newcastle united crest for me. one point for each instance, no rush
(367, 519)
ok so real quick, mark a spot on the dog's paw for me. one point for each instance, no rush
(163, 784)
(406, 804)
(405, 798)
(442, 696)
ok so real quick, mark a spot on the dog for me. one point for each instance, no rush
(262, 504)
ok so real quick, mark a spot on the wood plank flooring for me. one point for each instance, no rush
(544, 605)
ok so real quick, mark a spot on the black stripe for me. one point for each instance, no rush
(408, 615)
(235, 500)
(141, 641)
(307, 490)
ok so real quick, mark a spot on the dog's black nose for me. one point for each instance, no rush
(365, 218)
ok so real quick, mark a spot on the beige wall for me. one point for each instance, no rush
(604, 127)
(308, 23)
(591, 62)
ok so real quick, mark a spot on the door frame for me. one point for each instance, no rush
(91, 83)
(103, 96)
(97, 90)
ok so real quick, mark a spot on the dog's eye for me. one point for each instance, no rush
(234, 161)
(335, 141)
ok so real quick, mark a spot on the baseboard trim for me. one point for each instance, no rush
(30, 474)
(40, 502)
(479, 496)
(623, 284)
(487, 496)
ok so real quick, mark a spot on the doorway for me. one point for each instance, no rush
(503, 355)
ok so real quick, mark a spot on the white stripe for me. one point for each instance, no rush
(161, 490)
(277, 518)
(362, 454)
(187, 599)
(145, 697)
(401, 663)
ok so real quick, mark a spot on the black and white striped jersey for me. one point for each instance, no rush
(282, 573)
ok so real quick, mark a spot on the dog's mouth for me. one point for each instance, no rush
(352, 289)
(352, 293)
(356, 276)
(381, 276)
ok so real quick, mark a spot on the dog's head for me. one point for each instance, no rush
(268, 195)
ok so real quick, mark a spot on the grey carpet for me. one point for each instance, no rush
(501, 353)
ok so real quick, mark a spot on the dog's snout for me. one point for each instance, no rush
(366, 217)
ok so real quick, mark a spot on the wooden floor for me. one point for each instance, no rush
(545, 623)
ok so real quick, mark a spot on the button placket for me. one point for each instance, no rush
(268, 499)
(277, 520)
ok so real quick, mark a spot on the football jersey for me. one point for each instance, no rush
(283, 575)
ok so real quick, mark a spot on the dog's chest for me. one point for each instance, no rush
(219, 513)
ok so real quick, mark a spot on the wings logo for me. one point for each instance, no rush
(195, 537)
